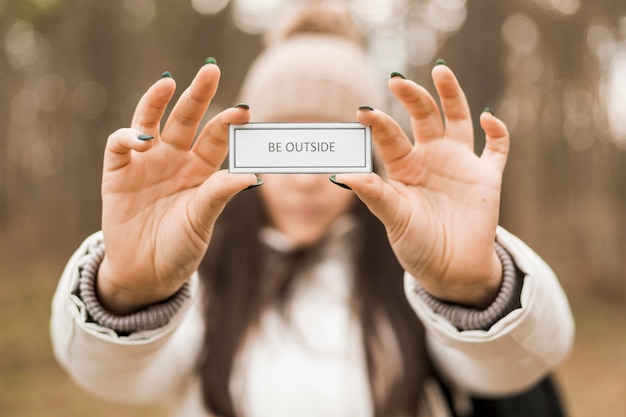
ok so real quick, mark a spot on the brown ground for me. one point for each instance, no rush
(593, 379)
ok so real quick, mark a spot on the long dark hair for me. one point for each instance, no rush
(239, 285)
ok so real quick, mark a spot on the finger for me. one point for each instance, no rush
(212, 196)
(121, 143)
(212, 143)
(152, 105)
(380, 197)
(390, 140)
(456, 111)
(426, 122)
(180, 128)
(497, 140)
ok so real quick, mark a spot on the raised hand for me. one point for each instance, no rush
(162, 192)
(440, 201)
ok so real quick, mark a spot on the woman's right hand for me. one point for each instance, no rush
(161, 196)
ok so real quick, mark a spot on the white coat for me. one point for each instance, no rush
(159, 366)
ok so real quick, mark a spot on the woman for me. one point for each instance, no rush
(355, 296)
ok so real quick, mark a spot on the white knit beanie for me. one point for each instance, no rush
(314, 70)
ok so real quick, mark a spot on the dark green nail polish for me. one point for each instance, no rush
(259, 181)
(440, 62)
(334, 181)
(166, 74)
(488, 110)
(366, 107)
(210, 60)
(145, 137)
(397, 74)
(242, 106)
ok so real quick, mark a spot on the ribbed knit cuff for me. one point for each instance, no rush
(464, 318)
(149, 318)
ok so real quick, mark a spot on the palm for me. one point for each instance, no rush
(448, 202)
(144, 208)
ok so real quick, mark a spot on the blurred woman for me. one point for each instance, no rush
(365, 295)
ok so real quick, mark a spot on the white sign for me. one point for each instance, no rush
(300, 148)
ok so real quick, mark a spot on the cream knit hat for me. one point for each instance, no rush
(315, 70)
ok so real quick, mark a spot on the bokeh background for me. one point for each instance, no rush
(555, 70)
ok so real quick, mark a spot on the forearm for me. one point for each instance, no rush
(515, 351)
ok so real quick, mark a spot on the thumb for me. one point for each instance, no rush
(211, 197)
(379, 197)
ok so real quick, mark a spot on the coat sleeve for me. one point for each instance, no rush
(519, 349)
(142, 367)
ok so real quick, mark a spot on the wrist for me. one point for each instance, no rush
(120, 300)
(468, 318)
(477, 292)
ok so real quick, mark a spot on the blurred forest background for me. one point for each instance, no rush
(554, 70)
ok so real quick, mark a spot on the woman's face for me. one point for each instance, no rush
(303, 206)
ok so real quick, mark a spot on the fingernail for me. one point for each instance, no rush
(397, 74)
(334, 181)
(166, 74)
(143, 136)
(488, 110)
(366, 107)
(242, 106)
(210, 60)
(440, 62)
(259, 181)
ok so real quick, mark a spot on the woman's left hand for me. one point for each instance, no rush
(439, 201)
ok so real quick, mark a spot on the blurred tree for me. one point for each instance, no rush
(545, 67)
(566, 180)
(71, 76)
(72, 71)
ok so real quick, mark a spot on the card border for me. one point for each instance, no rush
(298, 169)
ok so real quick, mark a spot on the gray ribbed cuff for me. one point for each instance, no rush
(464, 318)
(149, 318)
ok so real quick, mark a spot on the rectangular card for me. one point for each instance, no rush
(300, 148)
